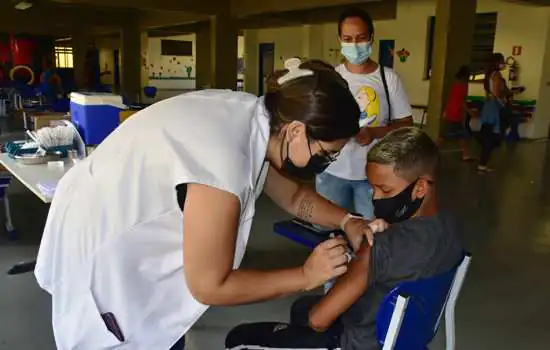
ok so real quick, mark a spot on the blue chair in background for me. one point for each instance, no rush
(150, 92)
(410, 313)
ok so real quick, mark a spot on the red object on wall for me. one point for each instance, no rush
(516, 50)
(22, 49)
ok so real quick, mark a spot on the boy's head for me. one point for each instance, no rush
(401, 169)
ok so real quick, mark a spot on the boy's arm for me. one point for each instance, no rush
(344, 293)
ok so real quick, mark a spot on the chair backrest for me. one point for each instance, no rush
(422, 304)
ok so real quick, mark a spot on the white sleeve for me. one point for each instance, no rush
(401, 107)
(222, 166)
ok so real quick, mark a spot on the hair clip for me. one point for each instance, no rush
(294, 71)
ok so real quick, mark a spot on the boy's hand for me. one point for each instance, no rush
(359, 229)
(378, 225)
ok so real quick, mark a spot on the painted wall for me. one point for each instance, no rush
(168, 66)
(170, 73)
(410, 31)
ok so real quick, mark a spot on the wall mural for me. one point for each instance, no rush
(170, 67)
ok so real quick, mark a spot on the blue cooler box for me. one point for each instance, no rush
(95, 115)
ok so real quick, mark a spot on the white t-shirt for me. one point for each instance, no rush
(113, 241)
(368, 90)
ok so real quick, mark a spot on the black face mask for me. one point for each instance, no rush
(399, 207)
(317, 164)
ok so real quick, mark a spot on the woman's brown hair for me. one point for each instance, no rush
(322, 101)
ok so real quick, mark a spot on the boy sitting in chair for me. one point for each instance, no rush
(420, 243)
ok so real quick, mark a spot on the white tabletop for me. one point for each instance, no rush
(31, 175)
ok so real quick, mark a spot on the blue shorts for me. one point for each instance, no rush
(353, 195)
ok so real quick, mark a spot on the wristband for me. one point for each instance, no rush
(347, 218)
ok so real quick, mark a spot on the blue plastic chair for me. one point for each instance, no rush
(410, 313)
(150, 92)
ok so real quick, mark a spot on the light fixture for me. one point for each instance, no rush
(23, 5)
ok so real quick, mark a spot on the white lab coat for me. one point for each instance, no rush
(113, 241)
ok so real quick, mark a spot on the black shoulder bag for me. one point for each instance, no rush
(385, 83)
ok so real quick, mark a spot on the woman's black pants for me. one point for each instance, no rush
(489, 141)
(278, 335)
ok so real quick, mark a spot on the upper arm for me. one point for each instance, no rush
(345, 292)
(399, 99)
(280, 188)
(211, 222)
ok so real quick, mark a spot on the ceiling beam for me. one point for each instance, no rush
(385, 10)
(156, 19)
(45, 18)
(253, 7)
(196, 6)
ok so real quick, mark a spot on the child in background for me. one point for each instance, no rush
(454, 127)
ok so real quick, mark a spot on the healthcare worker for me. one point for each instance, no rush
(151, 228)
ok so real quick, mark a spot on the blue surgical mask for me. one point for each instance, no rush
(357, 53)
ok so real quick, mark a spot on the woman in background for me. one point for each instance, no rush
(493, 126)
(454, 123)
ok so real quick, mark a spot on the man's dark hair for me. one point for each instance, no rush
(410, 151)
(322, 101)
(358, 13)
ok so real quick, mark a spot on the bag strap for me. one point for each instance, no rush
(385, 83)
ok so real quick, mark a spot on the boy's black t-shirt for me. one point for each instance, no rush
(410, 250)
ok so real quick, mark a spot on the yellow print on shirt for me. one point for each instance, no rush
(369, 104)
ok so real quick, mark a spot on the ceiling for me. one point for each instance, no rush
(61, 17)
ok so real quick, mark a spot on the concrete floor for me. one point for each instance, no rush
(504, 305)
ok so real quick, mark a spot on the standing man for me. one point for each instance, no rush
(384, 106)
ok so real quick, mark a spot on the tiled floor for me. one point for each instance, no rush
(505, 303)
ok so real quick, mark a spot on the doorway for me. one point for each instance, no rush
(267, 65)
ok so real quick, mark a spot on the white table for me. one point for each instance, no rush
(31, 175)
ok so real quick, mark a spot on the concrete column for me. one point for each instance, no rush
(312, 38)
(223, 52)
(539, 127)
(131, 61)
(454, 28)
(80, 44)
(144, 54)
(202, 58)
(251, 61)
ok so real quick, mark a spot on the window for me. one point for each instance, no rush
(482, 44)
(63, 56)
(176, 48)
